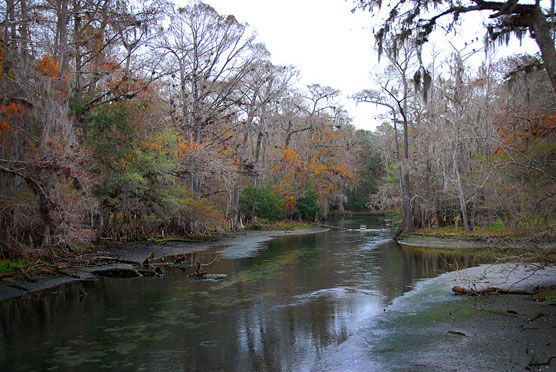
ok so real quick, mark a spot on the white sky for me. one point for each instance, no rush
(330, 45)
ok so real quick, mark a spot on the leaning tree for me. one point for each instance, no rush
(417, 19)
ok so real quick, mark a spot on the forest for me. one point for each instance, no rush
(127, 120)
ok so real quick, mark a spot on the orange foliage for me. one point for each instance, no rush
(109, 66)
(523, 128)
(294, 172)
(11, 112)
(4, 126)
(186, 147)
(290, 156)
(11, 109)
(49, 66)
(290, 203)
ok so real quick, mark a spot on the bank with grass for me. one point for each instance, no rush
(449, 238)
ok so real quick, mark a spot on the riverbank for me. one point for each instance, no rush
(498, 332)
(327, 283)
(430, 329)
(454, 238)
(126, 255)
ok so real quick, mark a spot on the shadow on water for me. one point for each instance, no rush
(282, 306)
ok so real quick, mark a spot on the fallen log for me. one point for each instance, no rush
(458, 290)
(206, 276)
(157, 271)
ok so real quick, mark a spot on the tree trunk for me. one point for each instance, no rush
(405, 209)
(407, 223)
(257, 155)
(545, 43)
(236, 218)
(78, 58)
(61, 32)
(461, 195)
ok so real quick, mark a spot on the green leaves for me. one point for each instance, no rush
(307, 206)
(136, 169)
(261, 202)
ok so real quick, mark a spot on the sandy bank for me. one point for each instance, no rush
(432, 330)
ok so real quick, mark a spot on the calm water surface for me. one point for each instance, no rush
(285, 306)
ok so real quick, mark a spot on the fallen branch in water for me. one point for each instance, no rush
(198, 274)
(457, 333)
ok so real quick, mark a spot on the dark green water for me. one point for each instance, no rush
(282, 307)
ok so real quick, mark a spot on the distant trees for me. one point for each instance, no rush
(453, 147)
(523, 146)
(469, 144)
(120, 120)
(457, 119)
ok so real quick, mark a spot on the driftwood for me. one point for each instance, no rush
(483, 292)
(205, 275)
(198, 274)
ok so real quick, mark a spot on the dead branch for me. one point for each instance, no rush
(458, 290)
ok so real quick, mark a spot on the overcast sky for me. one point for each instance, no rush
(329, 44)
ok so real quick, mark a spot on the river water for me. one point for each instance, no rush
(289, 304)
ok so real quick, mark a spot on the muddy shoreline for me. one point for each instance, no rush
(498, 332)
(136, 253)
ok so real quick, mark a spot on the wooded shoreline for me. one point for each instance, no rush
(130, 254)
(127, 255)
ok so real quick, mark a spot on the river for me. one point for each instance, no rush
(289, 304)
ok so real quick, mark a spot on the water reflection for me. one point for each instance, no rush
(281, 307)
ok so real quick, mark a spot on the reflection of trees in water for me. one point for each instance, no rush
(195, 259)
(291, 301)
(426, 264)
(400, 267)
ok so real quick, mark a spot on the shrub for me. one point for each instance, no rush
(261, 202)
(201, 215)
(307, 206)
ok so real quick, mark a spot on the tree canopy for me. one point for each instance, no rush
(124, 120)
(417, 19)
